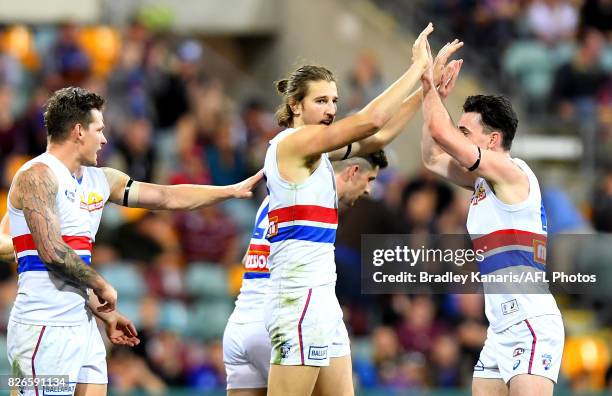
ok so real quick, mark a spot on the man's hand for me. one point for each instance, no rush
(449, 78)
(121, 331)
(420, 47)
(440, 63)
(107, 295)
(244, 189)
(427, 79)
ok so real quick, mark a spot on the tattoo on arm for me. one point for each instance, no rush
(37, 188)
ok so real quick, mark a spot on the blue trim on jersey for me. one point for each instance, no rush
(256, 275)
(258, 233)
(305, 233)
(511, 258)
(262, 215)
(34, 263)
(543, 216)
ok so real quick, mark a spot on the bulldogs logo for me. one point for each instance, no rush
(546, 361)
(285, 348)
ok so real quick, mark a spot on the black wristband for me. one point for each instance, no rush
(473, 167)
(126, 192)
(348, 151)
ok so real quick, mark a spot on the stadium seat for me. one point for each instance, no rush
(207, 280)
(5, 367)
(125, 278)
(207, 319)
(174, 317)
(131, 309)
(529, 64)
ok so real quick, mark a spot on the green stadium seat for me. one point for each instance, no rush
(207, 320)
(207, 280)
(174, 317)
(125, 278)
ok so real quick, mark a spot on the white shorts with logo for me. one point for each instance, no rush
(533, 346)
(74, 351)
(306, 327)
(246, 354)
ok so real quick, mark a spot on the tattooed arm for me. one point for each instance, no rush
(34, 191)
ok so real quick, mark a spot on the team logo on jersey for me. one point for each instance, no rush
(518, 352)
(71, 195)
(93, 202)
(272, 227)
(285, 348)
(479, 194)
(546, 361)
(539, 251)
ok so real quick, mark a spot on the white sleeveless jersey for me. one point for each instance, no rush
(42, 297)
(303, 218)
(514, 240)
(256, 280)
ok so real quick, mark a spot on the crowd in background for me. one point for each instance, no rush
(167, 121)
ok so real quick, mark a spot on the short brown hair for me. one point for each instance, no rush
(295, 88)
(67, 107)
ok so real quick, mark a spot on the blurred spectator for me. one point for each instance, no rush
(208, 234)
(552, 21)
(365, 81)
(419, 329)
(67, 64)
(578, 82)
(598, 15)
(135, 152)
(445, 359)
(167, 86)
(11, 133)
(225, 161)
(602, 204)
(422, 200)
(128, 373)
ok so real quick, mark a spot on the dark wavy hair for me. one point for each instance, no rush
(496, 114)
(67, 107)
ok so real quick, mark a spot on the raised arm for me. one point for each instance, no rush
(448, 152)
(177, 197)
(312, 140)
(7, 254)
(445, 76)
(34, 191)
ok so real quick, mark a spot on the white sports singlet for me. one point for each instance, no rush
(43, 298)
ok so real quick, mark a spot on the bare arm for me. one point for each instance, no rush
(449, 153)
(34, 191)
(312, 140)
(7, 254)
(445, 76)
(389, 132)
(177, 197)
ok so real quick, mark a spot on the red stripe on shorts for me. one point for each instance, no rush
(300, 325)
(533, 345)
(34, 356)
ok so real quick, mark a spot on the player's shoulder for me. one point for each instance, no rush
(281, 135)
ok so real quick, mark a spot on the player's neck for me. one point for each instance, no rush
(67, 155)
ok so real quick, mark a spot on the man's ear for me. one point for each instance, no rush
(296, 108)
(495, 138)
(353, 170)
(77, 131)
